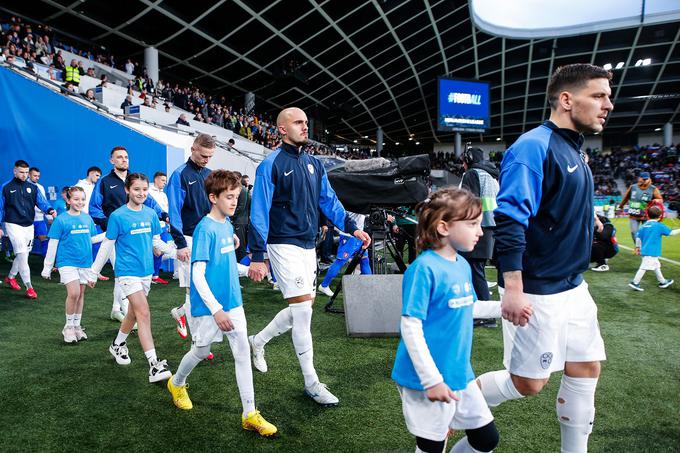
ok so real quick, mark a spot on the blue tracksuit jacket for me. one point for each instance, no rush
(290, 189)
(109, 194)
(18, 200)
(187, 200)
(545, 217)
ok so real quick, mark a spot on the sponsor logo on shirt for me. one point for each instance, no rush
(227, 249)
(141, 230)
(80, 230)
(458, 302)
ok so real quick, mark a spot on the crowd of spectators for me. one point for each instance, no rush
(662, 162)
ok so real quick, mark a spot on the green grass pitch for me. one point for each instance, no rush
(57, 397)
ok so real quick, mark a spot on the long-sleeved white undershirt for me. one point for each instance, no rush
(202, 287)
(414, 339)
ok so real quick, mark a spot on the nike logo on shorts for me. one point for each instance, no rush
(287, 173)
(572, 169)
(113, 187)
(191, 182)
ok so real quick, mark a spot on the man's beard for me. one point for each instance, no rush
(121, 169)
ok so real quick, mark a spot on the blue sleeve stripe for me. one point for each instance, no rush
(175, 202)
(263, 192)
(42, 203)
(95, 209)
(331, 206)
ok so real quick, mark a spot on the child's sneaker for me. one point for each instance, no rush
(180, 318)
(666, 284)
(159, 371)
(319, 392)
(256, 422)
(257, 355)
(600, 268)
(179, 395)
(69, 335)
(80, 333)
(120, 353)
(636, 286)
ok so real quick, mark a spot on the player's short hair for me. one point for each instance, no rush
(118, 148)
(573, 76)
(70, 190)
(132, 177)
(34, 169)
(159, 173)
(204, 141)
(220, 180)
(448, 205)
(21, 164)
(94, 168)
(654, 212)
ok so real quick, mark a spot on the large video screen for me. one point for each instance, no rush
(463, 105)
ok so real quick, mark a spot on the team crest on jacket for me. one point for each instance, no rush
(28, 189)
(310, 167)
(546, 360)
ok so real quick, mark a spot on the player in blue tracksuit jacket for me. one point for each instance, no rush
(107, 196)
(290, 188)
(544, 232)
(18, 199)
(109, 192)
(189, 204)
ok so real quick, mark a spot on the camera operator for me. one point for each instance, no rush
(405, 230)
(481, 178)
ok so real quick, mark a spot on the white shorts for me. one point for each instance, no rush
(204, 329)
(131, 285)
(21, 237)
(563, 328)
(650, 263)
(184, 268)
(294, 269)
(433, 419)
(68, 274)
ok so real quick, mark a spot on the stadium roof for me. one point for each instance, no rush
(361, 65)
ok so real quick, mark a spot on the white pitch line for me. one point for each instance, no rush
(677, 263)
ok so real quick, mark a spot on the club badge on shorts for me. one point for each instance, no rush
(310, 167)
(299, 281)
(546, 360)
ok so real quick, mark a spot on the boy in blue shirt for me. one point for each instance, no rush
(648, 245)
(215, 298)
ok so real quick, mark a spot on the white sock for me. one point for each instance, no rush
(302, 340)
(497, 387)
(463, 446)
(190, 360)
(151, 356)
(282, 323)
(69, 320)
(659, 275)
(117, 295)
(240, 349)
(24, 270)
(76, 319)
(120, 338)
(638, 276)
(575, 409)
